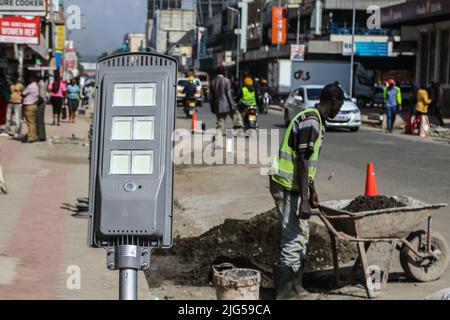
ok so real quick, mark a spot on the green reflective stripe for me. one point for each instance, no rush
(284, 164)
(248, 98)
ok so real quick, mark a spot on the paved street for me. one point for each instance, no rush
(40, 238)
(405, 165)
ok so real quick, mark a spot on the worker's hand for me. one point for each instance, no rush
(313, 199)
(305, 210)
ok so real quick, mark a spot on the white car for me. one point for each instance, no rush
(308, 96)
(180, 85)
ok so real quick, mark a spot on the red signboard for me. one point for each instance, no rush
(18, 29)
(279, 25)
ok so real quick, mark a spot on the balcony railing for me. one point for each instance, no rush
(342, 29)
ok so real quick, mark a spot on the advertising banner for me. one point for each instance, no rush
(59, 37)
(279, 25)
(297, 52)
(70, 59)
(24, 7)
(18, 29)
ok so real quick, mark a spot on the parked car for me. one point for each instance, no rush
(308, 96)
(180, 85)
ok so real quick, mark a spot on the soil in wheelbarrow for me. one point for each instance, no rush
(363, 203)
(253, 243)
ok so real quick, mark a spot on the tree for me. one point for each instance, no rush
(103, 55)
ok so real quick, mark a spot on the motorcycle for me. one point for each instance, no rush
(190, 107)
(251, 118)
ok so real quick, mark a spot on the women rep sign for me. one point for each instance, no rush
(20, 30)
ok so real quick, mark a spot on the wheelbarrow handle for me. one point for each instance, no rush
(331, 229)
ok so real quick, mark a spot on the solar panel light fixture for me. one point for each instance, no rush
(131, 170)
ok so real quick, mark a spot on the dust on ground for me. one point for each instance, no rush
(253, 243)
(363, 203)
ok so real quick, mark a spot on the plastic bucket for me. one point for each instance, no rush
(233, 283)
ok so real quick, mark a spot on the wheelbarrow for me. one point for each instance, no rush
(423, 254)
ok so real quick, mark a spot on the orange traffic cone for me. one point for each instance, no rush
(194, 125)
(371, 182)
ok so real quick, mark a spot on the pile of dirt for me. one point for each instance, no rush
(363, 203)
(253, 243)
(439, 132)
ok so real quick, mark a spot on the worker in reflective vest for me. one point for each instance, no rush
(292, 187)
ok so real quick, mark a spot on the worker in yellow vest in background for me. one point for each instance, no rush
(247, 96)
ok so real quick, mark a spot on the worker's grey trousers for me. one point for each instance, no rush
(294, 231)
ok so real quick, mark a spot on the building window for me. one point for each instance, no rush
(424, 58)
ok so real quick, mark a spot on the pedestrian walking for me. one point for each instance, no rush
(57, 91)
(292, 187)
(73, 99)
(41, 109)
(30, 101)
(14, 112)
(222, 103)
(421, 122)
(392, 103)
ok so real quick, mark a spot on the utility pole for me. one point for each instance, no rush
(244, 23)
(279, 26)
(238, 46)
(353, 50)
(298, 23)
(210, 13)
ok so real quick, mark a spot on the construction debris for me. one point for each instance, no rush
(253, 243)
(364, 203)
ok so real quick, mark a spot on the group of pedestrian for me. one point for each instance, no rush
(27, 103)
(230, 99)
(429, 102)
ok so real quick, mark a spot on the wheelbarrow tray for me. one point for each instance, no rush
(386, 223)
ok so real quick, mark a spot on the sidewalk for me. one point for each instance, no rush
(41, 243)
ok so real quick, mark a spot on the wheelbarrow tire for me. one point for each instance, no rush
(412, 265)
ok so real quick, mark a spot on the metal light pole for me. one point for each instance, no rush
(128, 284)
(298, 23)
(353, 49)
(279, 26)
(238, 52)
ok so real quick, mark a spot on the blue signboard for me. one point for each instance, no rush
(58, 56)
(372, 49)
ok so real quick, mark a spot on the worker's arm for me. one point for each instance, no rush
(427, 98)
(307, 136)
(303, 166)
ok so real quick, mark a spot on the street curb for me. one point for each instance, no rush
(276, 108)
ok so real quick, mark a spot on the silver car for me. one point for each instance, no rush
(308, 96)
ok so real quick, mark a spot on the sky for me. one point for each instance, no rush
(105, 22)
